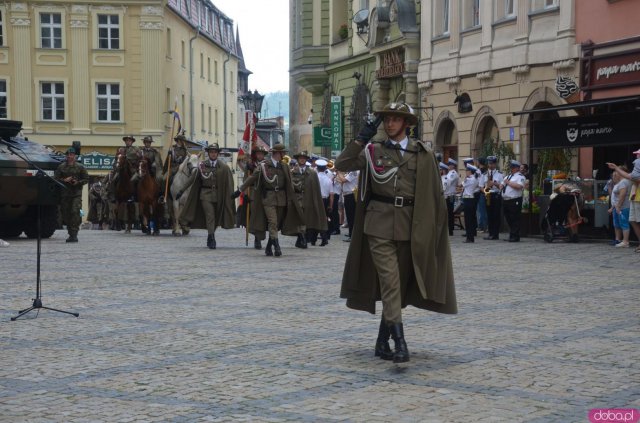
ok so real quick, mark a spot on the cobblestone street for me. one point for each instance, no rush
(171, 331)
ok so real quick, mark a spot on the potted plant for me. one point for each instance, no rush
(343, 32)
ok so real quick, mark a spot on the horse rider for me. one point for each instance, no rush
(153, 158)
(132, 156)
(176, 156)
(275, 204)
(209, 204)
(307, 188)
(399, 251)
(73, 175)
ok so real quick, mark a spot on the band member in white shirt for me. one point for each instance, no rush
(326, 190)
(512, 188)
(443, 174)
(470, 189)
(491, 181)
(451, 185)
(348, 187)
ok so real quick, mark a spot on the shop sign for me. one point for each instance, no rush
(96, 161)
(321, 136)
(586, 131)
(391, 64)
(336, 123)
(611, 70)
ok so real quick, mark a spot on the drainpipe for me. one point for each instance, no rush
(192, 131)
(224, 95)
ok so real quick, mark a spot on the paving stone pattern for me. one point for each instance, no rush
(171, 331)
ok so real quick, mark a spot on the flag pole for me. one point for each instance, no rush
(248, 212)
(166, 184)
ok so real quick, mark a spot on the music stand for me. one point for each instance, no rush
(37, 301)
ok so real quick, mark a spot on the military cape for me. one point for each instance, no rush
(193, 215)
(315, 216)
(431, 285)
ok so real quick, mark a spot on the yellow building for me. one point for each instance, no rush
(94, 71)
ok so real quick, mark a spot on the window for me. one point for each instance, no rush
(216, 121)
(202, 65)
(3, 99)
(169, 42)
(183, 53)
(1, 28)
(109, 32)
(231, 82)
(364, 4)
(509, 9)
(52, 100)
(471, 14)
(231, 123)
(209, 69)
(215, 71)
(108, 102)
(202, 127)
(441, 17)
(209, 119)
(543, 4)
(51, 30)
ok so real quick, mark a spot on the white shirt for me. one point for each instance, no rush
(470, 186)
(403, 144)
(497, 177)
(451, 182)
(326, 184)
(351, 181)
(510, 192)
(275, 162)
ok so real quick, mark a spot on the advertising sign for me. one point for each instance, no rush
(96, 161)
(336, 124)
(321, 136)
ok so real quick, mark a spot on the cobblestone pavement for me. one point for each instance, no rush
(171, 331)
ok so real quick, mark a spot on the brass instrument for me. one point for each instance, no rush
(487, 189)
(286, 159)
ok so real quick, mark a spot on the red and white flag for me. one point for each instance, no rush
(250, 136)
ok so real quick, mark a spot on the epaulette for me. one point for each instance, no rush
(426, 146)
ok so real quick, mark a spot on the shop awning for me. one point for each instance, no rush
(582, 105)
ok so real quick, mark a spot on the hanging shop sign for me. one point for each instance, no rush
(321, 136)
(96, 161)
(391, 64)
(610, 70)
(587, 131)
(336, 125)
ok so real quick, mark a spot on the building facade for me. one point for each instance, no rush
(95, 71)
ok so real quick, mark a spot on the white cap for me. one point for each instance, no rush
(321, 162)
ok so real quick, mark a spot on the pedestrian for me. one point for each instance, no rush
(208, 204)
(512, 188)
(73, 175)
(307, 188)
(399, 251)
(326, 191)
(634, 198)
(451, 182)
(470, 189)
(274, 206)
(620, 206)
(491, 182)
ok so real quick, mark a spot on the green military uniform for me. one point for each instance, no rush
(176, 156)
(210, 191)
(307, 188)
(399, 251)
(153, 158)
(274, 192)
(71, 201)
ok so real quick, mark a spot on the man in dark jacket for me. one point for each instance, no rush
(307, 188)
(399, 251)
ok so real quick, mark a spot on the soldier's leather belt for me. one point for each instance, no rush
(396, 201)
(276, 189)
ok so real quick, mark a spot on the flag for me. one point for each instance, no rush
(250, 136)
(176, 117)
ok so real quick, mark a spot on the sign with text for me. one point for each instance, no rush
(321, 136)
(610, 70)
(336, 123)
(391, 64)
(587, 131)
(96, 161)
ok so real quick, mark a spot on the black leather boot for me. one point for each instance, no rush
(303, 241)
(73, 237)
(401, 353)
(382, 343)
(276, 248)
(211, 241)
(257, 244)
(298, 243)
(268, 251)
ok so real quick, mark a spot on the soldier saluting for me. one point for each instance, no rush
(73, 175)
(399, 249)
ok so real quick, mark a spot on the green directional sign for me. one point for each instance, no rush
(336, 125)
(321, 136)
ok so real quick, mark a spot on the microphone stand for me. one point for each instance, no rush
(37, 301)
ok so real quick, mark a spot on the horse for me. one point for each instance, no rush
(124, 191)
(180, 187)
(148, 191)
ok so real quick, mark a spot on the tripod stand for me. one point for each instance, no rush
(37, 301)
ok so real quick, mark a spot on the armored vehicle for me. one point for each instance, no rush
(22, 189)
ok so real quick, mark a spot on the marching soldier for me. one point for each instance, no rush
(73, 175)
(450, 189)
(400, 249)
(257, 156)
(274, 204)
(209, 204)
(491, 182)
(307, 188)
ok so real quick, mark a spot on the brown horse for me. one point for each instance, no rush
(148, 193)
(124, 191)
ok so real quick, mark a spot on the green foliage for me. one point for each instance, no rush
(495, 147)
(553, 159)
(343, 32)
